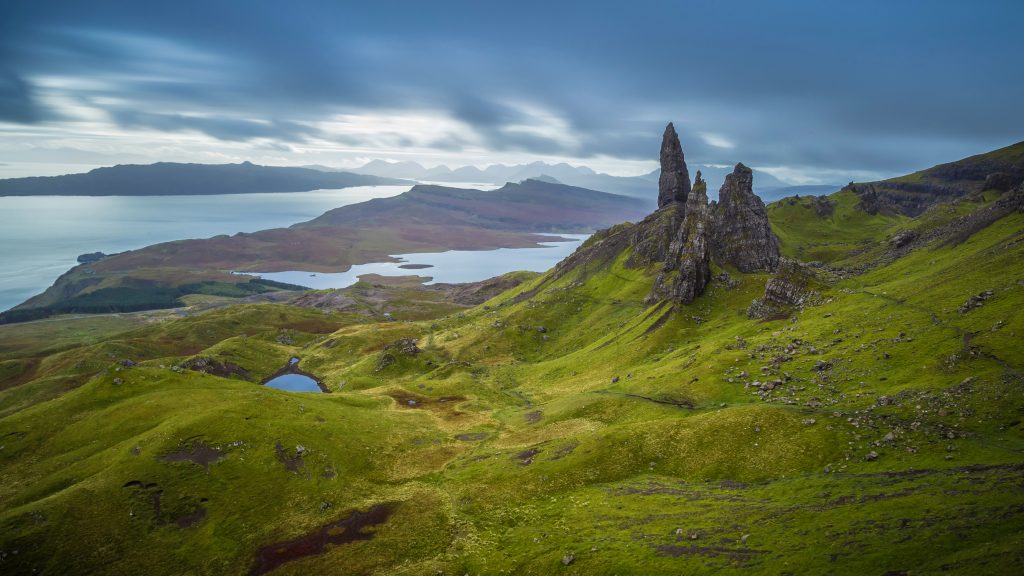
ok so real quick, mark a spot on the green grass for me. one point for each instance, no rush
(575, 421)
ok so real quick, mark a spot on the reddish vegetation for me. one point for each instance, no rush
(347, 529)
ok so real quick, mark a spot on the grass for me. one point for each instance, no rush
(575, 421)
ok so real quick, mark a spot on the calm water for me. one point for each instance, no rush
(40, 237)
(294, 383)
(447, 267)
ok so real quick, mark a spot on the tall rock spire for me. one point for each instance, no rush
(694, 238)
(742, 236)
(674, 183)
(689, 256)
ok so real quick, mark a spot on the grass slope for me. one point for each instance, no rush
(560, 427)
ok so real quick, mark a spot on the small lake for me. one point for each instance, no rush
(453, 266)
(41, 236)
(293, 383)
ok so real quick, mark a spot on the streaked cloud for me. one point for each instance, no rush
(809, 92)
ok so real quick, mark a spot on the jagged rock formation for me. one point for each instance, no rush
(742, 235)
(694, 262)
(674, 183)
(685, 234)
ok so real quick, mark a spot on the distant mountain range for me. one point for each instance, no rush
(173, 179)
(641, 186)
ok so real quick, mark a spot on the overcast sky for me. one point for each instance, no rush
(813, 92)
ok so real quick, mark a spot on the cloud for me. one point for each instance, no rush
(717, 140)
(223, 128)
(813, 91)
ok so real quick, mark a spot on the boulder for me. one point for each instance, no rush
(791, 287)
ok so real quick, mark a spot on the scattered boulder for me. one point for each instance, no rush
(209, 365)
(902, 238)
(570, 557)
(976, 301)
(401, 347)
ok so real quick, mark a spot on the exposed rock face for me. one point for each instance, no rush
(674, 183)
(695, 259)
(791, 287)
(689, 254)
(742, 236)
(655, 235)
(1000, 181)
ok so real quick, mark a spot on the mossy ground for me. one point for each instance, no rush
(638, 440)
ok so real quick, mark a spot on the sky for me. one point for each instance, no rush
(811, 92)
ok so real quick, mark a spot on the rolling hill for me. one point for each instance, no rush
(851, 406)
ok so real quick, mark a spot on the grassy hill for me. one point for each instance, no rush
(1001, 169)
(561, 427)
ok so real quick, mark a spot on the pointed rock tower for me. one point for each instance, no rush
(674, 183)
(694, 240)
(689, 255)
(742, 236)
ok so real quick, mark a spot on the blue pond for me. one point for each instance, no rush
(294, 383)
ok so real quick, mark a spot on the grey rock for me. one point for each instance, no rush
(791, 287)
(568, 559)
(742, 235)
(689, 254)
(674, 182)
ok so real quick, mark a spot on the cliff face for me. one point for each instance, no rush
(742, 236)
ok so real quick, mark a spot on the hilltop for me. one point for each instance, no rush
(803, 387)
(999, 170)
(173, 179)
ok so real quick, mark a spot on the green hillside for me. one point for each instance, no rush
(562, 427)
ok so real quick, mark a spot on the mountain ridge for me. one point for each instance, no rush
(183, 179)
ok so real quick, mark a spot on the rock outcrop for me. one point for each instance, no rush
(674, 183)
(687, 268)
(742, 235)
(685, 235)
(695, 254)
(790, 288)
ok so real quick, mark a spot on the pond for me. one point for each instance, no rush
(294, 382)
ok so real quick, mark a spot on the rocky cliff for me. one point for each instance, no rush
(742, 236)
